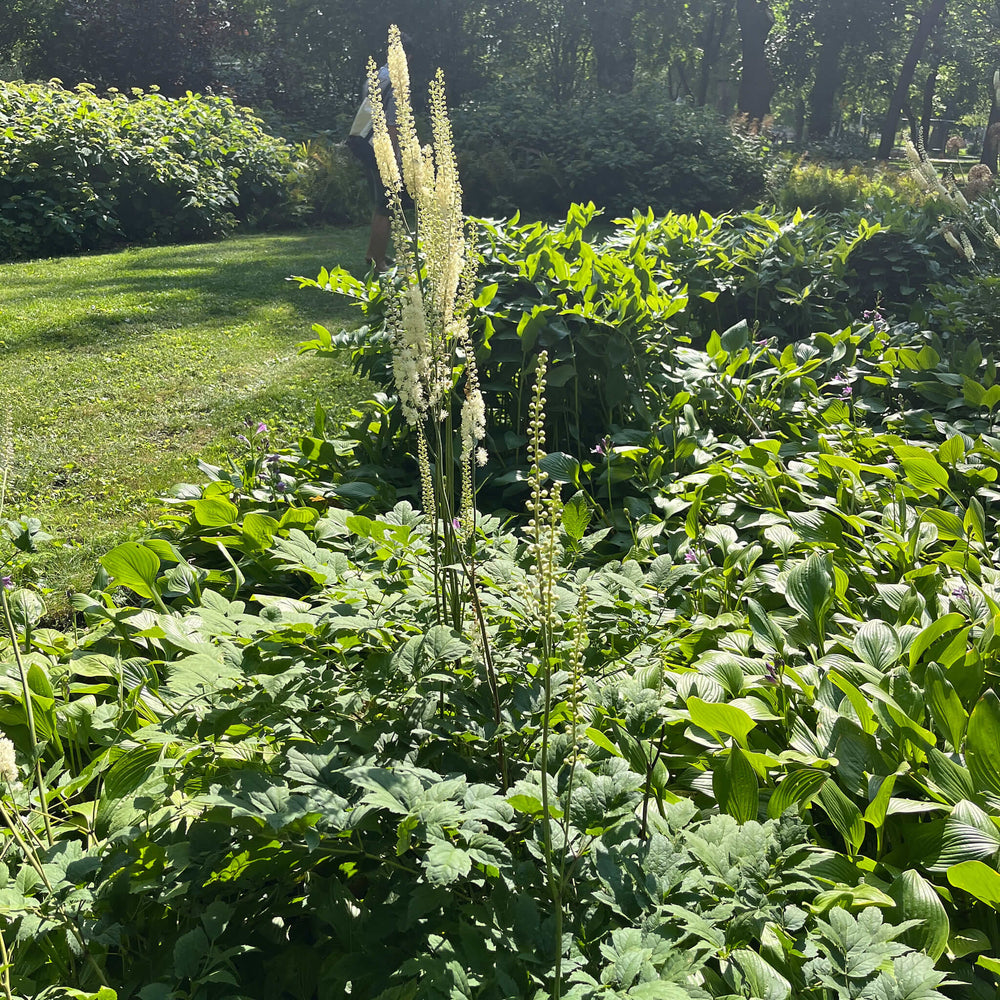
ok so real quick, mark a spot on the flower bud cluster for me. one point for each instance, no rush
(428, 318)
(545, 504)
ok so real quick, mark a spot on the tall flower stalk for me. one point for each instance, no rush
(545, 507)
(434, 363)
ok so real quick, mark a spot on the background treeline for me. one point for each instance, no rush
(627, 103)
(824, 68)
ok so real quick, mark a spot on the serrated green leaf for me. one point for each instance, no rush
(446, 863)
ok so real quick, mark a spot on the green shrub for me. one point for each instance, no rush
(78, 171)
(823, 188)
(329, 183)
(516, 151)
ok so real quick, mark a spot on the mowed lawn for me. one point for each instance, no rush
(123, 369)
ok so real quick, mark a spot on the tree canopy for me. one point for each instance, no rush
(820, 68)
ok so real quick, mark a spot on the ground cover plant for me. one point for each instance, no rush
(119, 367)
(715, 717)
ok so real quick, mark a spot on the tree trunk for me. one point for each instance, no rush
(991, 140)
(756, 83)
(711, 44)
(614, 48)
(927, 106)
(825, 86)
(899, 96)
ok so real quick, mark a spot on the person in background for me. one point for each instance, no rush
(360, 144)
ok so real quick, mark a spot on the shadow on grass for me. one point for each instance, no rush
(108, 299)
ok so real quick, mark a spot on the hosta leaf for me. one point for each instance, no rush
(947, 711)
(446, 863)
(798, 789)
(215, 513)
(716, 717)
(877, 645)
(735, 786)
(966, 942)
(561, 467)
(844, 815)
(135, 566)
(916, 899)
(978, 880)
(928, 636)
(926, 474)
(809, 588)
(953, 780)
(982, 751)
(767, 635)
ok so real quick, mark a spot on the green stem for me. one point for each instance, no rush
(30, 712)
(5, 972)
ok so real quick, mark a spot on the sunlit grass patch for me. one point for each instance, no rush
(123, 369)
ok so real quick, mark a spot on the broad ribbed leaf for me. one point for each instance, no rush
(982, 750)
(978, 880)
(916, 900)
(766, 634)
(796, 790)
(135, 566)
(809, 587)
(716, 717)
(926, 474)
(877, 645)
(947, 711)
(844, 815)
(735, 787)
(215, 513)
(928, 636)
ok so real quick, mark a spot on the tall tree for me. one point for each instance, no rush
(756, 83)
(900, 95)
(610, 23)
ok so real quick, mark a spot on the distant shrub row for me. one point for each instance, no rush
(79, 172)
(641, 150)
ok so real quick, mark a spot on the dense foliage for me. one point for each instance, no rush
(760, 759)
(611, 307)
(640, 150)
(78, 171)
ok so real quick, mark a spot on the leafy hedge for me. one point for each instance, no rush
(518, 152)
(79, 171)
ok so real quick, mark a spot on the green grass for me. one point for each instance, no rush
(123, 369)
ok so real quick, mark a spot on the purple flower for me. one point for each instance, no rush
(770, 674)
(6, 582)
(273, 459)
(262, 428)
(242, 438)
(455, 523)
(603, 447)
(960, 592)
(838, 379)
(847, 392)
(281, 486)
(690, 557)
